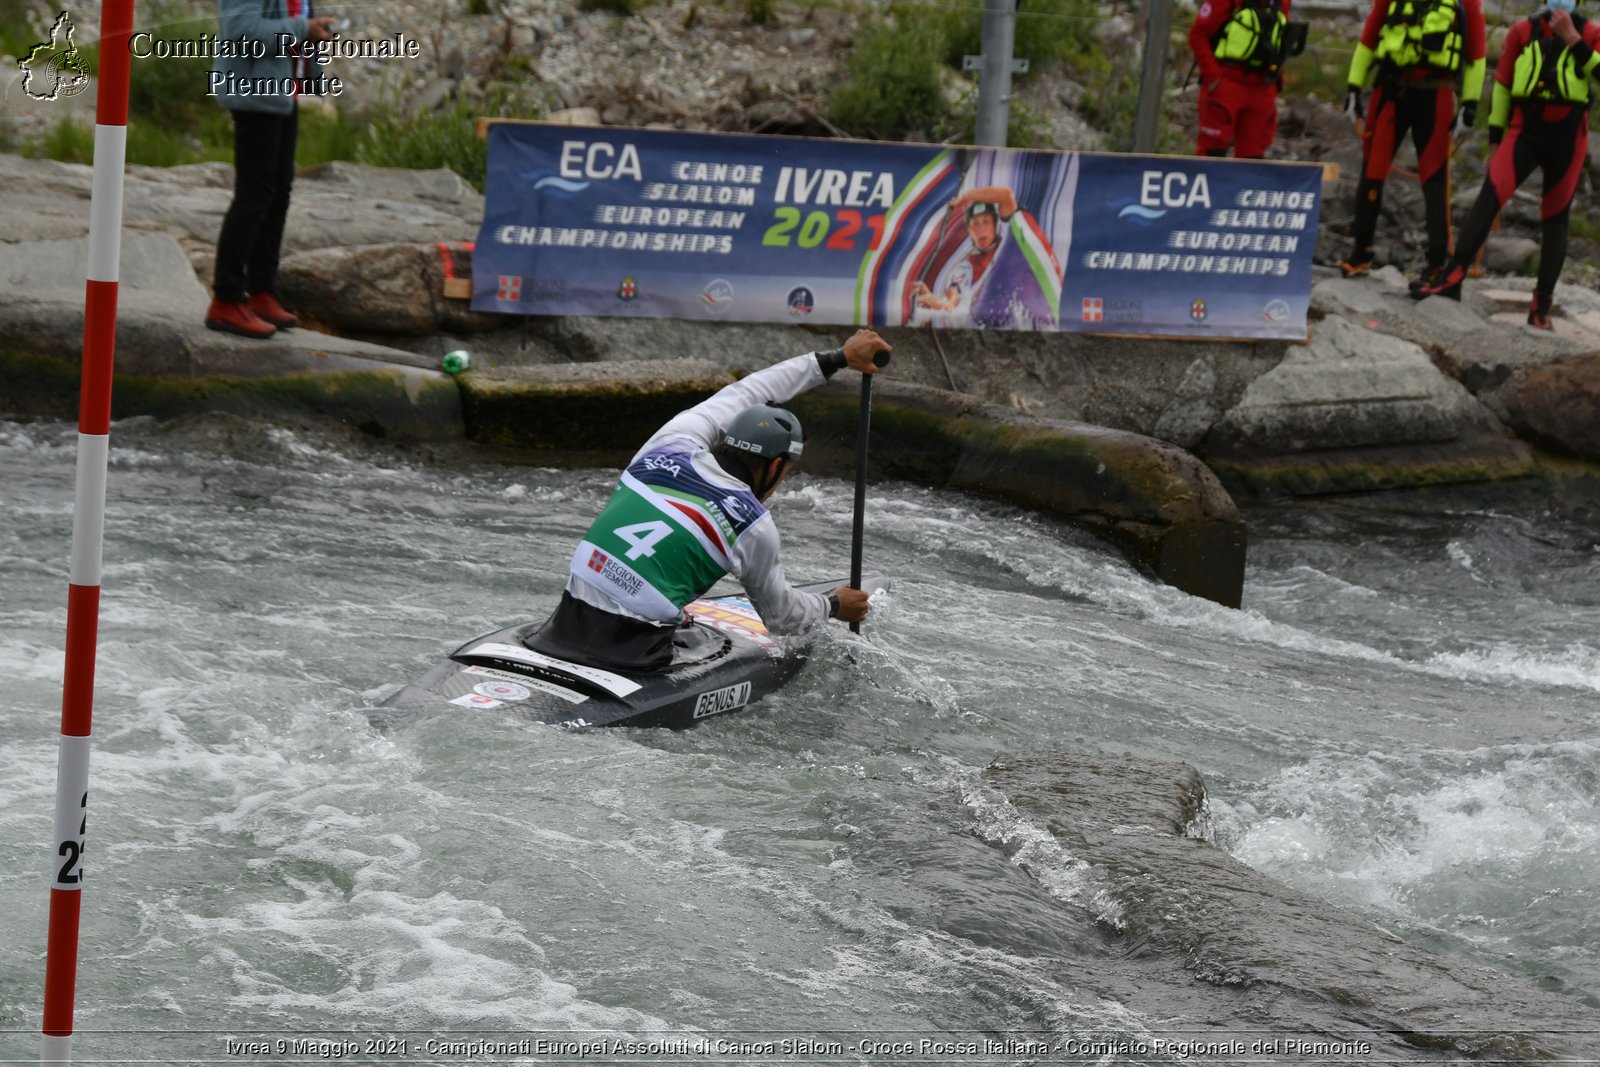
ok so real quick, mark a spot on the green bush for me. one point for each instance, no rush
(1045, 30)
(67, 140)
(1111, 95)
(761, 12)
(445, 138)
(892, 82)
(16, 34)
(325, 136)
(616, 7)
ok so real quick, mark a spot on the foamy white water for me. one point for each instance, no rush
(1401, 721)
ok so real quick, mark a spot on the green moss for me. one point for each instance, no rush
(568, 418)
(377, 402)
(1312, 477)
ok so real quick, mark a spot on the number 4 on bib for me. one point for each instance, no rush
(642, 537)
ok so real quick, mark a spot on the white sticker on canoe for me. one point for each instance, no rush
(508, 691)
(571, 696)
(615, 684)
(476, 700)
(720, 700)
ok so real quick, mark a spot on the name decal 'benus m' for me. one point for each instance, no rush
(720, 700)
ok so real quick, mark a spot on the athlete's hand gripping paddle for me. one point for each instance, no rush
(881, 359)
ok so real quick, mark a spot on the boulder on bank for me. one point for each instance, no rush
(1359, 408)
(383, 289)
(1558, 405)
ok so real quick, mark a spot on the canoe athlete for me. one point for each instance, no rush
(690, 508)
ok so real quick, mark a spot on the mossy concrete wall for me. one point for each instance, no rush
(1163, 508)
(392, 403)
(1158, 504)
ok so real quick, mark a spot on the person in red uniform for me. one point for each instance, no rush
(1239, 48)
(1539, 118)
(1416, 51)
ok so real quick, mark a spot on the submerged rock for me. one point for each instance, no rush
(1140, 824)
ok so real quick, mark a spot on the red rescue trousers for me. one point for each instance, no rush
(1239, 109)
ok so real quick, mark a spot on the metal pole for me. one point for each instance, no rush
(1153, 79)
(994, 85)
(859, 515)
(88, 528)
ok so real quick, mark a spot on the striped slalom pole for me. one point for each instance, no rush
(88, 529)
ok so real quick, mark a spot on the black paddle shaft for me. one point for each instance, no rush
(859, 519)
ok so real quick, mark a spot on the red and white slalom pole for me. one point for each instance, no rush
(88, 528)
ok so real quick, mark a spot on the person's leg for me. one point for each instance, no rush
(1431, 116)
(254, 155)
(1257, 122)
(1216, 119)
(1378, 145)
(254, 151)
(1552, 257)
(1564, 157)
(262, 268)
(1513, 161)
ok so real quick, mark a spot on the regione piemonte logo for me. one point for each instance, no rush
(55, 69)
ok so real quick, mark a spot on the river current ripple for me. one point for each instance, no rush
(1400, 721)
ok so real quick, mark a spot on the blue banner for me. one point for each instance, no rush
(660, 224)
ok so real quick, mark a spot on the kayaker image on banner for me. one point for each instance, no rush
(643, 223)
(983, 257)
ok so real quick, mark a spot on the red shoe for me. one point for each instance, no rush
(1539, 313)
(236, 317)
(1447, 285)
(267, 308)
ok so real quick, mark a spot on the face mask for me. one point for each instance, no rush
(1562, 5)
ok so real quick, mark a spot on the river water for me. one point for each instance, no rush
(1400, 721)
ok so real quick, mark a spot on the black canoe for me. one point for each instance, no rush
(723, 661)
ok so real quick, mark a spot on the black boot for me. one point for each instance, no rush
(1539, 313)
(1447, 285)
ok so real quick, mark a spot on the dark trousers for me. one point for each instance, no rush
(252, 230)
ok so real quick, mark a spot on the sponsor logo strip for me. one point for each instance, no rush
(714, 612)
(615, 684)
(571, 696)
